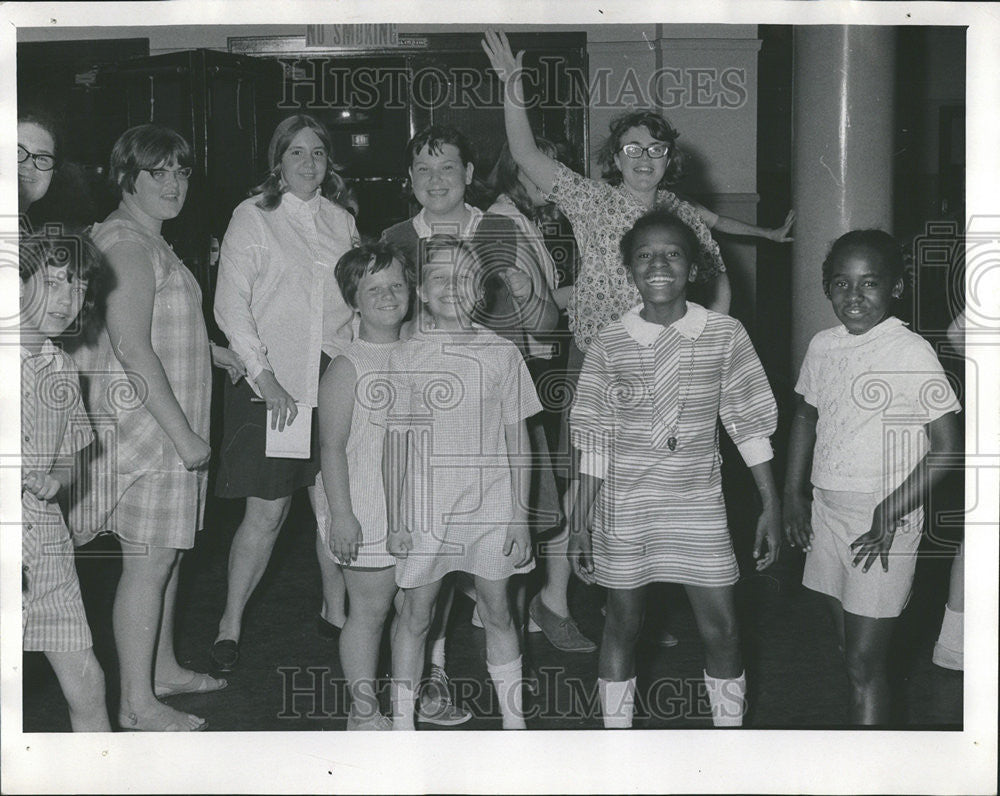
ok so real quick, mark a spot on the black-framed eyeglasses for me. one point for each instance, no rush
(656, 150)
(160, 175)
(43, 161)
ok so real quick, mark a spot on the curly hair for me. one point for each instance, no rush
(658, 127)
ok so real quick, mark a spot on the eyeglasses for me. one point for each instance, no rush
(160, 175)
(42, 162)
(655, 150)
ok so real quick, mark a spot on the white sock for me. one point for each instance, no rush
(951, 636)
(727, 696)
(437, 652)
(403, 700)
(617, 702)
(507, 680)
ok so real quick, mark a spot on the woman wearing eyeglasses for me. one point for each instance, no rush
(155, 338)
(36, 158)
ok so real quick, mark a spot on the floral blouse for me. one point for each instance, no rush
(600, 215)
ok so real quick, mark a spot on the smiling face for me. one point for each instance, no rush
(642, 174)
(660, 266)
(32, 184)
(158, 201)
(439, 181)
(50, 302)
(449, 287)
(861, 290)
(383, 297)
(304, 163)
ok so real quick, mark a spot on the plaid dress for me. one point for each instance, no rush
(453, 394)
(53, 424)
(139, 488)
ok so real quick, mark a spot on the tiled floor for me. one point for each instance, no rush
(289, 678)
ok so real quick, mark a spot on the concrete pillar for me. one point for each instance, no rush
(842, 118)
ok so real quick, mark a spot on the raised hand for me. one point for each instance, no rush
(502, 58)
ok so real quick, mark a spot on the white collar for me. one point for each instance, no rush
(690, 325)
(297, 205)
(879, 329)
(425, 229)
(43, 357)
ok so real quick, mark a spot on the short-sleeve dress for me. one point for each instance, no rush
(139, 487)
(646, 406)
(600, 215)
(364, 455)
(453, 394)
(53, 424)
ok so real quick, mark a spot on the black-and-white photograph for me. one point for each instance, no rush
(557, 369)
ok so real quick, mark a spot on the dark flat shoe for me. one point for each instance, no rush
(327, 630)
(224, 654)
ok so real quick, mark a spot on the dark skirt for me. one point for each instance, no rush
(244, 470)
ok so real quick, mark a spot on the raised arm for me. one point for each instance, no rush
(129, 322)
(538, 166)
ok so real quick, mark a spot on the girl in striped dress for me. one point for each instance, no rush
(374, 281)
(652, 387)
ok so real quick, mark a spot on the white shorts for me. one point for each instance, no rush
(838, 518)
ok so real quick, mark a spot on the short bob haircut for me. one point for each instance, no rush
(658, 127)
(661, 217)
(48, 122)
(144, 147)
(272, 188)
(75, 251)
(505, 176)
(369, 258)
(875, 242)
(435, 137)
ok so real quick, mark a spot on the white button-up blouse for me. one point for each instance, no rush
(276, 297)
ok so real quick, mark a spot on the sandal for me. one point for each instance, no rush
(198, 683)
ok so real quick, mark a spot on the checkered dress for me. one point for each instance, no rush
(139, 488)
(453, 394)
(53, 424)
